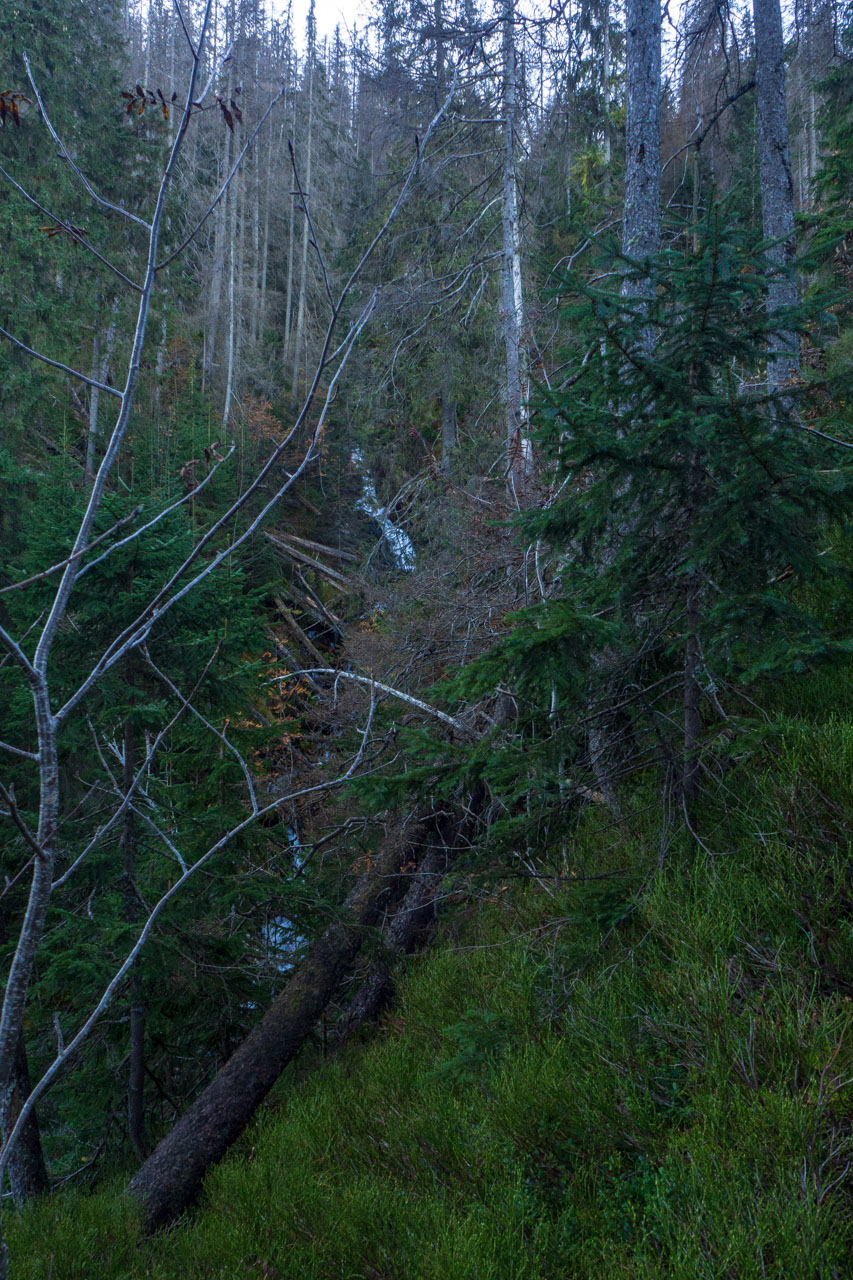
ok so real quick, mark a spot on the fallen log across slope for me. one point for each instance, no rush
(170, 1179)
(403, 934)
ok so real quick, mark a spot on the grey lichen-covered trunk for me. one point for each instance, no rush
(303, 278)
(777, 183)
(640, 241)
(518, 445)
(641, 226)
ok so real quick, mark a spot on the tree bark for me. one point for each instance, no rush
(172, 1176)
(641, 226)
(303, 279)
(27, 1168)
(401, 937)
(777, 184)
(517, 443)
(136, 1059)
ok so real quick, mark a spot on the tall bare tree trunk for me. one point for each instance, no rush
(517, 444)
(306, 186)
(641, 226)
(220, 249)
(640, 240)
(291, 232)
(777, 184)
(136, 1059)
(232, 305)
(101, 358)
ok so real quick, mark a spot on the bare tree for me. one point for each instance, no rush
(512, 309)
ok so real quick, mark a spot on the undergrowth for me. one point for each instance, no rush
(646, 1075)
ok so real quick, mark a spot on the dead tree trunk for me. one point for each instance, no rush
(400, 938)
(136, 1059)
(448, 426)
(303, 278)
(641, 227)
(517, 443)
(777, 183)
(172, 1176)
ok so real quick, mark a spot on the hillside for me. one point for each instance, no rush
(426, 640)
(644, 1075)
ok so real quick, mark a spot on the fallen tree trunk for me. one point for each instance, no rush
(401, 937)
(406, 930)
(171, 1177)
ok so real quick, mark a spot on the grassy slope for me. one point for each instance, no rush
(670, 1104)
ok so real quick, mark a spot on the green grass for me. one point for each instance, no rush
(566, 1088)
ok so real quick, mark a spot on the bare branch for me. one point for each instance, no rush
(377, 684)
(15, 815)
(67, 227)
(217, 66)
(20, 657)
(186, 30)
(172, 687)
(225, 185)
(63, 151)
(144, 768)
(61, 564)
(57, 364)
(17, 751)
(314, 241)
(161, 515)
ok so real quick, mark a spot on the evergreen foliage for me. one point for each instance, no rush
(696, 531)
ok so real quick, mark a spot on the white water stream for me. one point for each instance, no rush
(399, 543)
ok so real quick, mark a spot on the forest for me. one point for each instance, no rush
(426, 640)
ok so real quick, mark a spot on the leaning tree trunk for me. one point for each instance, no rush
(413, 917)
(172, 1176)
(410, 921)
(777, 184)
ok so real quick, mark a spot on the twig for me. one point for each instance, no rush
(172, 687)
(14, 814)
(70, 230)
